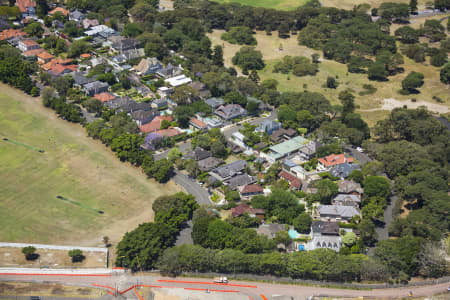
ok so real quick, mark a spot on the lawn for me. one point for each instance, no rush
(276, 4)
(73, 166)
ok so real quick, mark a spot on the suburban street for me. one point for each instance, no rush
(253, 290)
(192, 187)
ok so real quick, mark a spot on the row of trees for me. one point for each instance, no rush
(30, 254)
(15, 70)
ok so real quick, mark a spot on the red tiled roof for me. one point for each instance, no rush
(59, 69)
(334, 159)
(198, 123)
(169, 132)
(56, 61)
(245, 208)
(10, 33)
(85, 55)
(59, 9)
(34, 52)
(45, 55)
(29, 43)
(252, 188)
(155, 124)
(104, 97)
(23, 4)
(294, 181)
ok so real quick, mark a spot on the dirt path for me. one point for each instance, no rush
(391, 103)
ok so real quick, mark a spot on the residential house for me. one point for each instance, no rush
(104, 97)
(239, 180)
(27, 45)
(346, 200)
(268, 126)
(61, 10)
(337, 212)
(214, 103)
(44, 57)
(238, 139)
(155, 124)
(11, 33)
(99, 30)
(96, 87)
(270, 230)
(169, 71)
(130, 106)
(250, 190)
(324, 235)
(230, 111)
(209, 163)
(230, 170)
(144, 91)
(27, 8)
(58, 61)
(60, 70)
(76, 16)
(294, 182)
(285, 149)
(32, 54)
(80, 79)
(308, 151)
(213, 122)
(198, 154)
(143, 117)
(332, 160)
(201, 88)
(57, 24)
(148, 66)
(159, 103)
(133, 53)
(178, 80)
(350, 187)
(4, 24)
(246, 209)
(282, 134)
(152, 141)
(121, 44)
(164, 92)
(344, 170)
(197, 124)
(88, 23)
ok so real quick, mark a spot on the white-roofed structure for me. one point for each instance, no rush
(178, 80)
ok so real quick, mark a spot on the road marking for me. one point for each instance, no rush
(220, 291)
(137, 294)
(209, 283)
(264, 297)
(43, 274)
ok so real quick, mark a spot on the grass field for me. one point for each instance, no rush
(270, 49)
(14, 289)
(292, 4)
(73, 166)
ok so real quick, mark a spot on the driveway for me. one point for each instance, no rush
(363, 158)
(192, 187)
(183, 146)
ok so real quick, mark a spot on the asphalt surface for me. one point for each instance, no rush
(363, 158)
(254, 290)
(184, 147)
(192, 187)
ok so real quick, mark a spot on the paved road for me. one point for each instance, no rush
(268, 290)
(192, 187)
(256, 121)
(185, 235)
(184, 147)
(363, 158)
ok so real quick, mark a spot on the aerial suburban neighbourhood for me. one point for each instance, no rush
(278, 150)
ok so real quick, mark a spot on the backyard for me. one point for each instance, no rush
(55, 197)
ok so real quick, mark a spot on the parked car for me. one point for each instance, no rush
(359, 149)
(220, 280)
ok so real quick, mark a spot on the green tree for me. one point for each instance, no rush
(132, 30)
(348, 102)
(368, 235)
(155, 46)
(76, 255)
(94, 105)
(413, 81)
(128, 148)
(302, 223)
(239, 35)
(413, 6)
(377, 71)
(248, 59)
(78, 47)
(217, 57)
(282, 237)
(331, 82)
(445, 74)
(349, 239)
(407, 34)
(34, 29)
(376, 186)
(326, 190)
(173, 154)
(175, 209)
(30, 253)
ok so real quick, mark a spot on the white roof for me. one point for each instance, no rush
(99, 28)
(238, 135)
(178, 80)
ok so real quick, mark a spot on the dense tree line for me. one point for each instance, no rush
(321, 264)
(15, 70)
(140, 249)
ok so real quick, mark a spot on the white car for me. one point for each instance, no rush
(359, 149)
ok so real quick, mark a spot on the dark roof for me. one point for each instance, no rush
(207, 164)
(230, 111)
(240, 180)
(214, 102)
(198, 154)
(231, 169)
(125, 44)
(326, 228)
(278, 134)
(270, 230)
(344, 170)
(81, 79)
(95, 85)
(144, 116)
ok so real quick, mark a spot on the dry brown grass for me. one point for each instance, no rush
(46, 289)
(13, 257)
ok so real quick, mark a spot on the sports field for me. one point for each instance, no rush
(73, 166)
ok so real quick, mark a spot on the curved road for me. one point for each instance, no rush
(254, 290)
